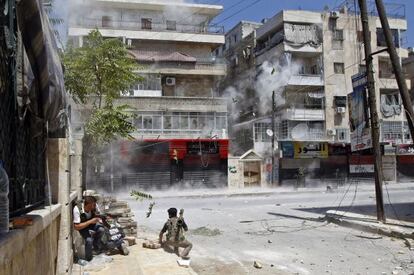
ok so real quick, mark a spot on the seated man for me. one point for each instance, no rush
(175, 235)
(89, 226)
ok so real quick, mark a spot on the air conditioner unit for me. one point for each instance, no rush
(170, 81)
(340, 110)
(331, 132)
(334, 14)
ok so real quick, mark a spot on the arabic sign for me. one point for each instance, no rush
(358, 114)
(310, 149)
(405, 149)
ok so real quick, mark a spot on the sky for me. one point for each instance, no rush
(268, 8)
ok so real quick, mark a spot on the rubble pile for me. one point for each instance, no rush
(121, 212)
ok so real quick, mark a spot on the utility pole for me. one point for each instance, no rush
(273, 136)
(373, 111)
(112, 168)
(396, 65)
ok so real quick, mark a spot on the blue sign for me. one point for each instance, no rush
(287, 149)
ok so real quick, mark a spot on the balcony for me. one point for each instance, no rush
(176, 104)
(302, 131)
(175, 62)
(180, 124)
(305, 112)
(148, 30)
(306, 80)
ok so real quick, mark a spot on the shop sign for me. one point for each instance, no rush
(361, 168)
(389, 150)
(287, 149)
(358, 114)
(310, 149)
(405, 149)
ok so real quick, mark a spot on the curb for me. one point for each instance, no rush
(370, 225)
(305, 190)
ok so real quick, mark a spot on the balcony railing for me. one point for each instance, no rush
(305, 112)
(306, 80)
(153, 26)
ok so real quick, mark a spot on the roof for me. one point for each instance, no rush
(251, 155)
(162, 5)
(157, 56)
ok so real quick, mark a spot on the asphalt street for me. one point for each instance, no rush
(285, 231)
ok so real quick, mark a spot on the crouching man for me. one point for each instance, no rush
(175, 227)
(89, 225)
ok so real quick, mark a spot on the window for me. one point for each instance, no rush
(390, 103)
(385, 68)
(106, 21)
(146, 23)
(171, 25)
(337, 39)
(392, 131)
(332, 24)
(338, 35)
(260, 132)
(381, 42)
(360, 36)
(147, 121)
(362, 68)
(342, 134)
(339, 68)
(340, 101)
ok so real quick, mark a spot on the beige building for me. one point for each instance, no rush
(318, 53)
(177, 101)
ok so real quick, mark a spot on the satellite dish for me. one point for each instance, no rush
(269, 132)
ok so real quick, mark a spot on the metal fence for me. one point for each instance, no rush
(22, 151)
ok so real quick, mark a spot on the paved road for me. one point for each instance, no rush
(284, 232)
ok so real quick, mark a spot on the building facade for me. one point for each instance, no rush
(181, 120)
(313, 56)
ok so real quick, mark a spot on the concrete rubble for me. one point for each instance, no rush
(121, 212)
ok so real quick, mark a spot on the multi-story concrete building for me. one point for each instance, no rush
(408, 67)
(321, 52)
(177, 104)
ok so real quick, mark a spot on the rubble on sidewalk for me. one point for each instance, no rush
(120, 211)
(151, 244)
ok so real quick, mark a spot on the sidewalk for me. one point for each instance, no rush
(392, 228)
(140, 261)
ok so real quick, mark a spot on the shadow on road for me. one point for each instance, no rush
(397, 211)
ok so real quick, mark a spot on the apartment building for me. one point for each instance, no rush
(322, 51)
(181, 119)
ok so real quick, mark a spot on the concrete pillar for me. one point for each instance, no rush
(58, 159)
(76, 167)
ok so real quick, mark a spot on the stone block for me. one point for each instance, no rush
(130, 240)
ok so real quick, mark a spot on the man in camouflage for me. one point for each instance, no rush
(175, 227)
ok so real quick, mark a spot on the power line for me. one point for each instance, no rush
(239, 11)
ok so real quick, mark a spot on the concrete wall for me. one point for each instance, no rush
(235, 173)
(32, 249)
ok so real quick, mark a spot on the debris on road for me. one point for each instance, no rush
(183, 263)
(257, 265)
(151, 244)
(205, 231)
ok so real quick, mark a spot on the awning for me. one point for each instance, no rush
(159, 56)
(42, 52)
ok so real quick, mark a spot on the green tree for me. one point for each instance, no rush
(95, 75)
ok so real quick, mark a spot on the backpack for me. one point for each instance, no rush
(175, 230)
